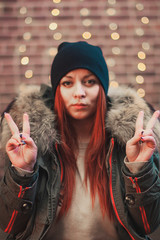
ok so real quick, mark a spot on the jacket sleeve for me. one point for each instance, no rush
(17, 195)
(142, 196)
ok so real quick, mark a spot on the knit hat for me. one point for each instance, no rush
(76, 55)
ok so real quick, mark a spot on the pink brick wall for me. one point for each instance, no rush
(100, 18)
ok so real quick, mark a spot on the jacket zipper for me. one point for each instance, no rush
(111, 192)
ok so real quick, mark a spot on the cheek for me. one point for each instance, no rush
(94, 94)
(65, 96)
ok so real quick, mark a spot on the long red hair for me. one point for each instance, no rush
(95, 165)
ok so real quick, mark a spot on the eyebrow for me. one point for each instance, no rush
(86, 76)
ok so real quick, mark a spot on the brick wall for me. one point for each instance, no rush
(127, 30)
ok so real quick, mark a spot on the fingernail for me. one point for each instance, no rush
(142, 139)
(23, 142)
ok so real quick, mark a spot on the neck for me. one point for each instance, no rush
(83, 129)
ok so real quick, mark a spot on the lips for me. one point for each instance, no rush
(79, 105)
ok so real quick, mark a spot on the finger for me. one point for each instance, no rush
(139, 121)
(13, 127)
(153, 120)
(12, 144)
(26, 125)
(150, 141)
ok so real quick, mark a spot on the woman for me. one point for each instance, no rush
(81, 166)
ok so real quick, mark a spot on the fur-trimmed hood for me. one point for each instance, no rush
(120, 119)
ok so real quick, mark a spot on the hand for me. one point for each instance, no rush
(21, 148)
(140, 148)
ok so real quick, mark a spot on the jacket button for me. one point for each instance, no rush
(130, 200)
(26, 206)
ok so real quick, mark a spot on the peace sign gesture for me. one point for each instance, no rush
(21, 148)
(141, 147)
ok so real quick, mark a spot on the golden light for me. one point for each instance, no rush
(141, 92)
(29, 74)
(145, 45)
(57, 36)
(115, 36)
(113, 26)
(139, 31)
(86, 35)
(141, 66)
(55, 12)
(23, 10)
(116, 50)
(114, 84)
(139, 6)
(112, 76)
(53, 26)
(141, 55)
(145, 20)
(112, 2)
(28, 20)
(27, 36)
(110, 62)
(56, 1)
(22, 48)
(25, 60)
(52, 51)
(84, 12)
(111, 11)
(87, 22)
(140, 79)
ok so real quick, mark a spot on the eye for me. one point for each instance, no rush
(67, 83)
(90, 82)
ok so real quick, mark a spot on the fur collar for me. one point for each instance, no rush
(120, 119)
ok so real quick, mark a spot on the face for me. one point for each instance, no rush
(79, 90)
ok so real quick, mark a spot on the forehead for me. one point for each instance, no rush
(79, 72)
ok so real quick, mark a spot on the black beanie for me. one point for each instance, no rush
(76, 55)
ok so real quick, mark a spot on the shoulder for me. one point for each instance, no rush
(33, 100)
(124, 108)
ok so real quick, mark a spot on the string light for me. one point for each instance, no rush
(29, 74)
(111, 11)
(87, 22)
(139, 6)
(25, 60)
(145, 45)
(55, 12)
(53, 26)
(27, 36)
(52, 51)
(141, 66)
(56, 1)
(114, 84)
(28, 20)
(145, 20)
(22, 48)
(140, 79)
(113, 26)
(86, 35)
(116, 50)
(139, 31)
(112, 2)
(23, 10)
(115, 36)
(141, 55)
(112, 76)
(84, 12)
(111, 62)
(57, 36)
(141, 92)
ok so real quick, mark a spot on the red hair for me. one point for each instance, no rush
(95, 166)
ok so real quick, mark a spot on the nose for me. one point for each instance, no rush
(79, 91)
